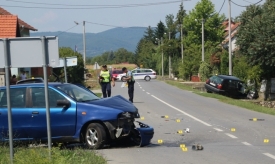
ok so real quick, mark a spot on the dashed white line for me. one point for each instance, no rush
(246, 143)
(148, 93)
(230, 135)
(143, 90)
(269, 155)
(219, 130)
(182, 111)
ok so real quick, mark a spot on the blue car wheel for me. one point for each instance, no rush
(95, 136)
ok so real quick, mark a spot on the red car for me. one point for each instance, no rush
(116, 72)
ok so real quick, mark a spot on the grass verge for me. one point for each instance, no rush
(40, 156)
(240, 103)
(98, 94)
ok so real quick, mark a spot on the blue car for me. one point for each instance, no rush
(77, 116)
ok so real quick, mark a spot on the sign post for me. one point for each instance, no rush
(43, 52)
(67, 62)
(7, 73)
(65, 69)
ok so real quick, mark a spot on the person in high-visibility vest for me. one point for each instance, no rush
(105, 79)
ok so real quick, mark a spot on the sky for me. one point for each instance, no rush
(45, 18)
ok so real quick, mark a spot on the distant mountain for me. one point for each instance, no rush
(98, 43)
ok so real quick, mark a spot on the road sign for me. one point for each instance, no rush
(96, 66)
(71, 61)
(27, 52)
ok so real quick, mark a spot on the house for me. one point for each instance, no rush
(234, 30)
(10, 27)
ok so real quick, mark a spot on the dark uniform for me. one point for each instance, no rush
(131, 83)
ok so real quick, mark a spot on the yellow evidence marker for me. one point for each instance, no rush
(184, 149)
(255, 119)
(166, 116)
(142, 118)
(182, 145)
(178, 120)
(160, 141)
(180, 131)
(233, 129)
(266, 140)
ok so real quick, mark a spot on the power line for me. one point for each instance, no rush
(66, 30)
(105, 24)
(96, 7)
(248, 1)
(222, 6)
(56, 4)
(246, 6)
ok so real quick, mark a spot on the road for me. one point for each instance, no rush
(225, 131)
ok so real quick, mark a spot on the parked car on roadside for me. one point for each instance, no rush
(116, 72)
(32, 80)
(140, 74)
(226, 85)
(77, 116)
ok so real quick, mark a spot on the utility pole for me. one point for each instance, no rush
(181, 43)
(84, 50)
(229, 35)
(162, 57)
(202, 49)
(169, 58)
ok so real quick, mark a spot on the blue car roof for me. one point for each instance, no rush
(33, 84)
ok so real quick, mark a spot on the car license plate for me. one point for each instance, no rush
(213, 84)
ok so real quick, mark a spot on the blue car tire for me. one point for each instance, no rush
(95, 136)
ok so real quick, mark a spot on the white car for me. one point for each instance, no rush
(141, 73)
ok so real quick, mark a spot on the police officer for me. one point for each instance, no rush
(105, 79)
(131, 81)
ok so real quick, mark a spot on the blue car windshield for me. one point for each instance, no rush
(77, 93)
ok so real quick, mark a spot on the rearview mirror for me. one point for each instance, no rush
(64, 103)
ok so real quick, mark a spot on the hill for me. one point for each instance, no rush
(98, 43)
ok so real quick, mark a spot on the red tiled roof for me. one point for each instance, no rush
(21, 23)
(9, 26)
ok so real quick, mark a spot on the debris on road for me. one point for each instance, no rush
(197, 147)
(187, 130)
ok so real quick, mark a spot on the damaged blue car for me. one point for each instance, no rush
(77, 116)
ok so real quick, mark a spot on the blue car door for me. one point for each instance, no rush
(63, 120)
(20, 114)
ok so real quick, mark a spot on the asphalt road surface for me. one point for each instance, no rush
(225, 131)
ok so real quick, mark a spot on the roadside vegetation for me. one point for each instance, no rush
(39, 155)
(251, 105)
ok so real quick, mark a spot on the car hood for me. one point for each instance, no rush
(116, 102)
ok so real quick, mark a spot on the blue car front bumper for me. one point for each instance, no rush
(146, 134)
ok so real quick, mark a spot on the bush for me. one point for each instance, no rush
(205, 71)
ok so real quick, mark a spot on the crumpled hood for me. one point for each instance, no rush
(116, 102)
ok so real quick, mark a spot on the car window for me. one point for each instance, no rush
(17, 97)
(134, 71)
(77, 93)
(233, 84)
(216, 80)
(38, 97)
(148, 70)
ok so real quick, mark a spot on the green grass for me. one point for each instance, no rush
(240, 103)
(40, 156)
(98, 94)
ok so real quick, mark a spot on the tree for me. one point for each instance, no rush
(149, 34)
(213, 31)
(171, 25)
(255, 36)
(111, 56)
(180, 15)
(160, 30)
(75, 74)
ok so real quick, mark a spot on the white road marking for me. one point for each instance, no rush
(143, 90)
(182, 112)
(230, 135)
(148, 93)
(219, 130)
(246, 143)
(269, 155)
